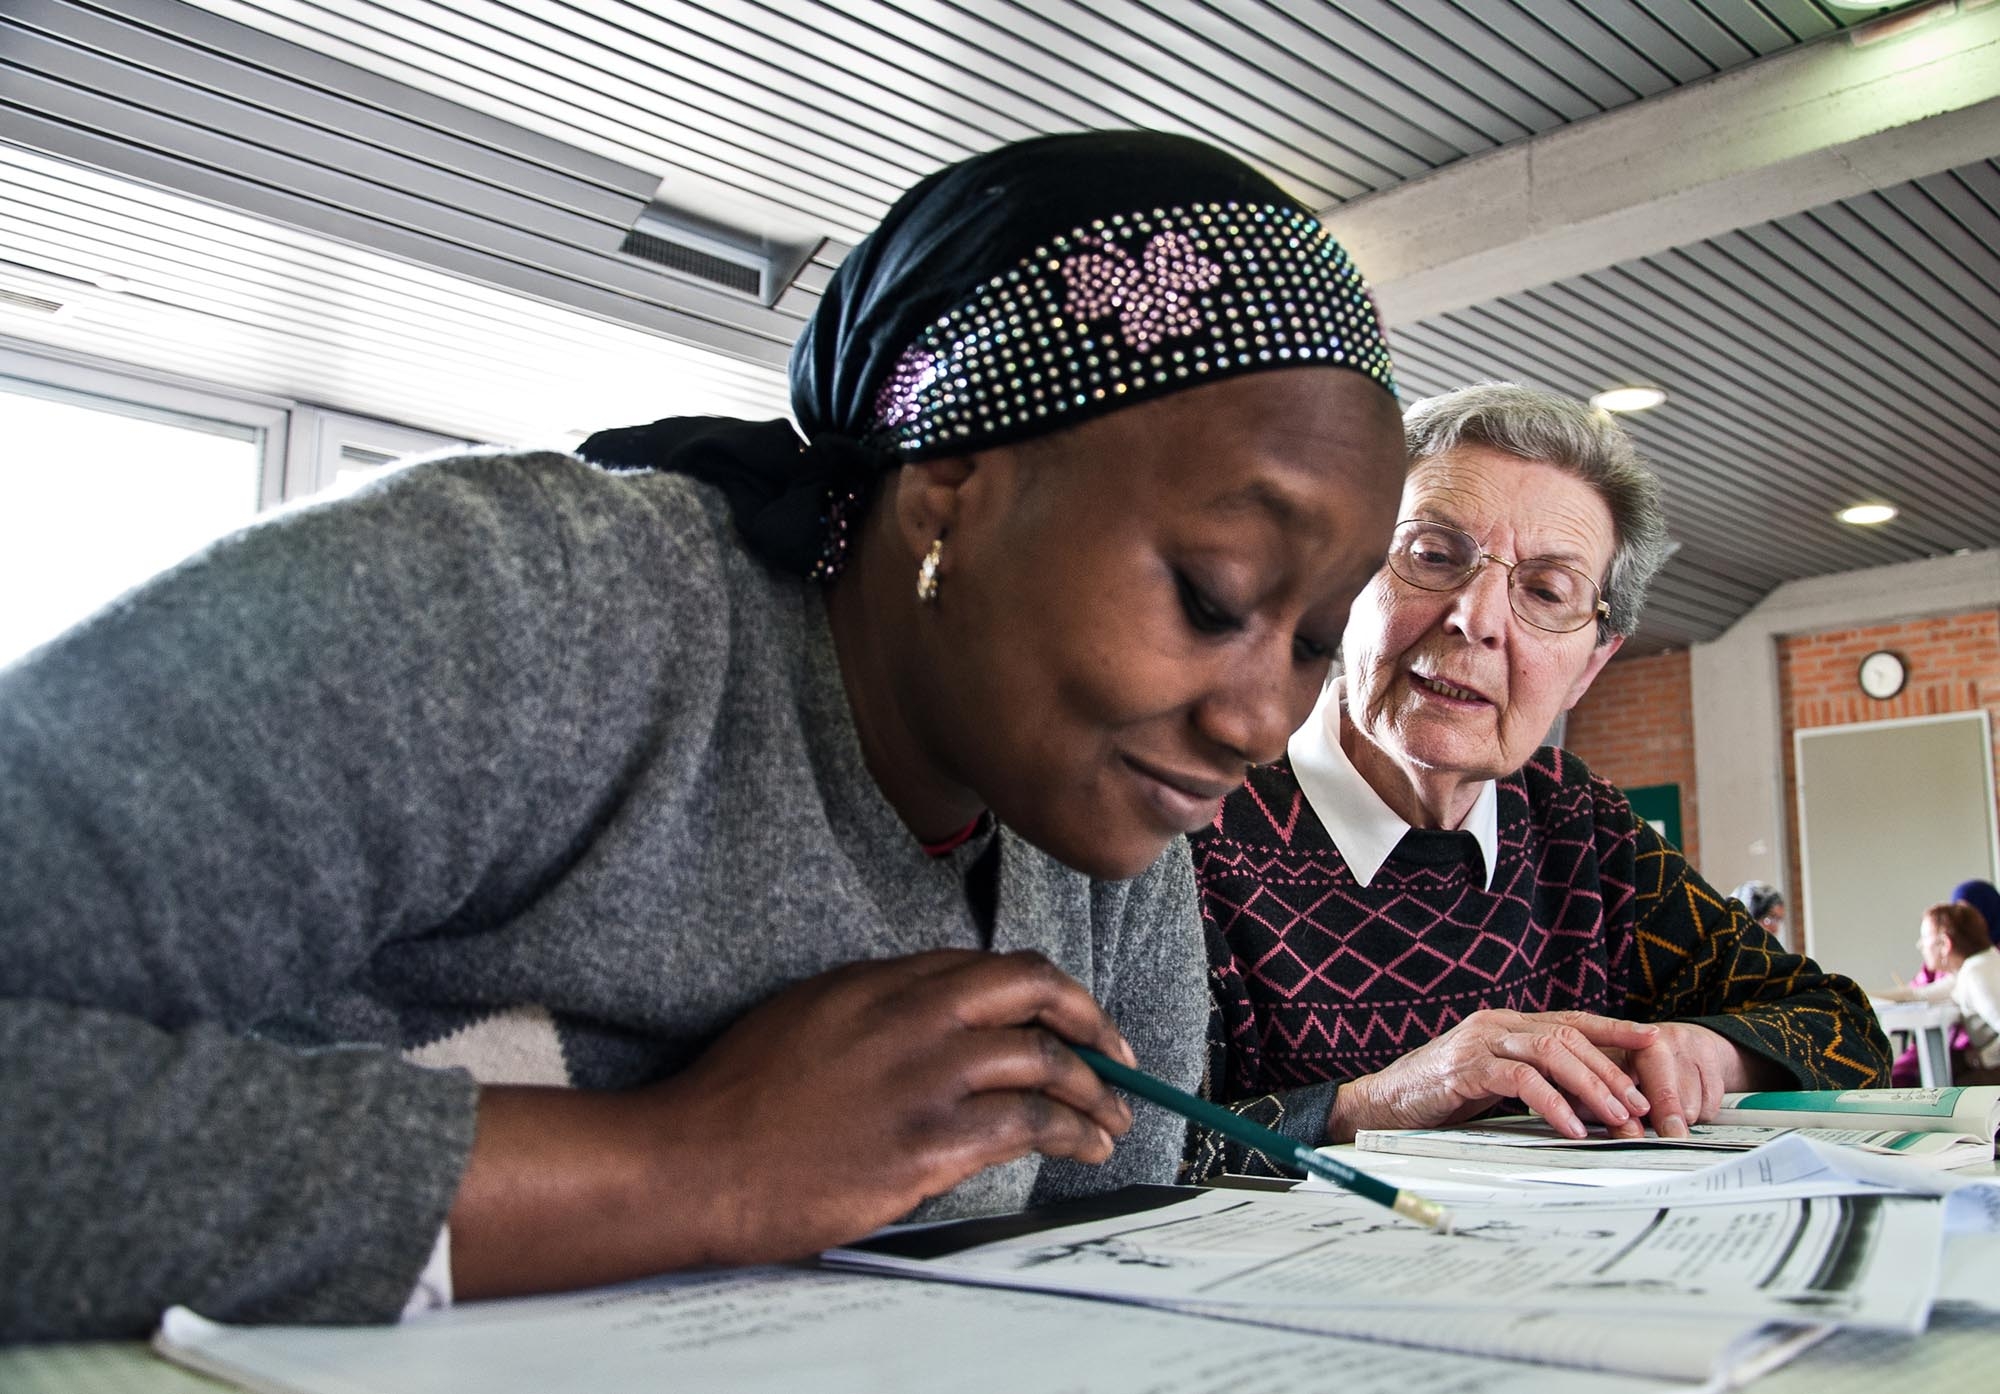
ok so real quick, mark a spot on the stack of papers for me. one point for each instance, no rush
(1937, 1128)
(1703, 1278)
(1695, 1281)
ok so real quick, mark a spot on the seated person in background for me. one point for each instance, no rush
(1419, 915)
(791, 794)
(1963, 970)
(1765, 904)
(1906, 1072)
(1984, 897)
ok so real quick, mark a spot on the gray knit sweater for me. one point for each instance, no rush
(506, 763)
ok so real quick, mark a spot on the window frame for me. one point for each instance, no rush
(270, 417)
(299, 442)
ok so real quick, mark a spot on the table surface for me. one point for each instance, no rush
(1913, 1016)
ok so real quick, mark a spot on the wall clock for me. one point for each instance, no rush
(1883, 675)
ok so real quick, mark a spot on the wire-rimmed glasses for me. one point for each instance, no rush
(1547, 594)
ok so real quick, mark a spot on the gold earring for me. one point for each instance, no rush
(927, 573)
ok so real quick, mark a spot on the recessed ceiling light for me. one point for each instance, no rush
(1866, 515)
(1628, 399)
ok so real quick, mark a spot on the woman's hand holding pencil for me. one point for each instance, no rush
(1275, 1145)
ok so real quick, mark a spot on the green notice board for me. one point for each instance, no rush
(1660, 805)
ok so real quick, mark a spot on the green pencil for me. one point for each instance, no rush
(1276, 1146)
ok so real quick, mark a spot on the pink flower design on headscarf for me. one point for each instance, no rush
(1153, 296)
(899, 399)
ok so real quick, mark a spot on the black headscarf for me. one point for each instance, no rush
(956, 232)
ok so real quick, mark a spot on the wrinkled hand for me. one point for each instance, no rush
(1683, 1074)
(1559, 1064)
(840, 1104)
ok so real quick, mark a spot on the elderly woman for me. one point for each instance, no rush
(524, 874)
(1423, 912)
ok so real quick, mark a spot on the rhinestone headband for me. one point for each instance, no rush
(1132, 306)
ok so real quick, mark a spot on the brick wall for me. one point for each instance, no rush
(1636, 727)
(1953, 665)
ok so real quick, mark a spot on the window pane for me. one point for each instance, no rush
(95, 496)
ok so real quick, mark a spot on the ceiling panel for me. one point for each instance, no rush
(208, 293)
(825, 111)
(1842, 354)
(412, 209)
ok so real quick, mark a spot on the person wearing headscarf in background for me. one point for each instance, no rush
(1984, 900)
(1962, 968)
(1419, 915)
(1765, 904)
(1983, 897)
(789, 797)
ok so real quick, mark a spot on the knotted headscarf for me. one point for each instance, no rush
(1016, 293)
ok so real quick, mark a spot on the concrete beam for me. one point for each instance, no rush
(1790, 132)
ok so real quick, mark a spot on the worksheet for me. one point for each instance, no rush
(781, 1331)
(1869, 1260)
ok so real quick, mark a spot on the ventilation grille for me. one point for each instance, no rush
(684, 260)
(30, 304)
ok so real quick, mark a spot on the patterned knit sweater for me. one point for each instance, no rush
(1316, 978)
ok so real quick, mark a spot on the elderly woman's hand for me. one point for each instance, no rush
(1685, 1072)
(1560, 1064)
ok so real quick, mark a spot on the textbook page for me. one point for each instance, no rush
(1713, 1350)
(782, 1331)
(1971, 1109)
(1869, 1259)
(1705, 1144)
(1793, 1168)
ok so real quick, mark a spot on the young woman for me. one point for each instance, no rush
(796, 796)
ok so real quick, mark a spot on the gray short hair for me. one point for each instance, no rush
(1577, 439)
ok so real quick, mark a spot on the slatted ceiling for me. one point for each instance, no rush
(1355, 97)
(1736, 423)
(1165, 70)
(1785, 407)
(204, 261)
(646, 104)
(1652, 26)
(1545, 81)
(684, 86)
(169, 71)
(1834, 356)
(1814, 360)
(1967, 267)
(237, 301)
(1914, 310)
(165, 124)
(826, 111)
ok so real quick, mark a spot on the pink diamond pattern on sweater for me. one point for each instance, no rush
(1316, 977)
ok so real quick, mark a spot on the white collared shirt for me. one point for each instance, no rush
(1364, 829)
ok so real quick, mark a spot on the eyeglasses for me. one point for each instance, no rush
(1545, 593)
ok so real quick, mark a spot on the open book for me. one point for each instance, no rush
(1937, 1128)
(1971, 1109)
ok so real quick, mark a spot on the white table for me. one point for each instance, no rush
(1929, 1023)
